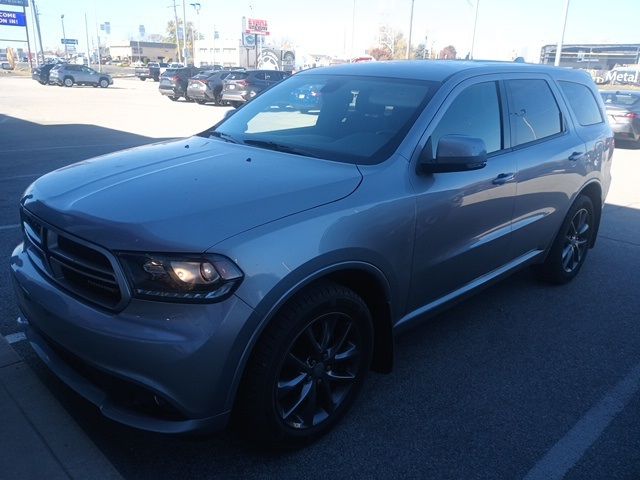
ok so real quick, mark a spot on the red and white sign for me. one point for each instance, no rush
(257, 26)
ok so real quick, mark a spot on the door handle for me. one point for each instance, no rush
(504, 178)
(575, 156)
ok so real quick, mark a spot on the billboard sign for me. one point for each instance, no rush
(12, 19)
(68, 41)
(257, 26)
(15, 3)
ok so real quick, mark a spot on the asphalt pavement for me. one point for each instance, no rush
(523, 380)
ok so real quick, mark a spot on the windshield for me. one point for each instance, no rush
(352, 119)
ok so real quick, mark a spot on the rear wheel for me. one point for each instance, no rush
(143, 79)
(172, 98)
(571, 245)
(68, 82)
(201, 102)
(307, 368)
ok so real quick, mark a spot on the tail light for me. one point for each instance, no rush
(632, 115)
(175, 79)
(241, 83)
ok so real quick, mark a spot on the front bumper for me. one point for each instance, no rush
(163, 367)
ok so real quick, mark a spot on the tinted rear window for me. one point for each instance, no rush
(534, 112)
(582, 102)
(620, 99)
(236, 76)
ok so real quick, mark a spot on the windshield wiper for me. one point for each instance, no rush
(224, 136)
(280, 147)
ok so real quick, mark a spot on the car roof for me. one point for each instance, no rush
(434, 70)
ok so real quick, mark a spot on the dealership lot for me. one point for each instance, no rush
(524, 379)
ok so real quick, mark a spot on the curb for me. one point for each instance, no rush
(39, 438)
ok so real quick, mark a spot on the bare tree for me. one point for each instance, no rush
(448, 53)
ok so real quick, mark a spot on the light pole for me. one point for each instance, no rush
(64, 39)
(475, 24)
(196, 6)
(184, 32)
(410, 31)
(561, 40)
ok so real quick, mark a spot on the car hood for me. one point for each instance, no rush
(185, 195)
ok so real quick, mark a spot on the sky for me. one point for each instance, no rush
(505, 28)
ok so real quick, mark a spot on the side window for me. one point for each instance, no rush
(259, 76)
(582, 102)
(475, 112)
(534, 112)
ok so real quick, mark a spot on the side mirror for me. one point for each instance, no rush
(455, 153)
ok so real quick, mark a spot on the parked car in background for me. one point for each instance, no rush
(261, 268)
(242, 86)
(70, 75)
(207, 86)
(41, 73)
(623, 110)
(174, 82)
(150, 70)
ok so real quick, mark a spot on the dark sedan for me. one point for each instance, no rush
(41, 73)
(623, 110)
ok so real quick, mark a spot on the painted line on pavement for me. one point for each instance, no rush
(15, 337)
(568, 451)
(9, 227)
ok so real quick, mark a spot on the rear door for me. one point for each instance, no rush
(550, 157)
(258, 81)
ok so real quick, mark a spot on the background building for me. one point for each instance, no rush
(221, 51)
(144, 51)
(593, 56)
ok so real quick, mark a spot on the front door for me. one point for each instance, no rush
(464, 218)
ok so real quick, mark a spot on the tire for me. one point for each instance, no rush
(104, 83)
(68, 82)
(201, 102)
(42, 82)
(571, 245)
(143, 79)
(173, 99)
(296, 388)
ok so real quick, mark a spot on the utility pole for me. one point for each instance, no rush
(475, 24)
(99, 54)
(196, 6)
(561, 40)
(184, 30)
(64, 38)
(26, 29)
(353, 28)
(37, 17)
(410, 31)
(175, 16)
(86, 31)
(35, 37)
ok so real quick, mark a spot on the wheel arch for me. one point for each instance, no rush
(365, 279)
(593, 190)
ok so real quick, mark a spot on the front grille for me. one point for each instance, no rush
(75, 265)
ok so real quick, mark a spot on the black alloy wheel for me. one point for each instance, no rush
(571, 245)
(576, 240)
(319, 370)
(307, 368)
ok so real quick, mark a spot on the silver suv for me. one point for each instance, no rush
(70, 75)
(263, 266)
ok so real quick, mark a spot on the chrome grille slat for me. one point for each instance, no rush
(77, 266)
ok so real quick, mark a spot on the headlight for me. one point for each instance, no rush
(181, 278)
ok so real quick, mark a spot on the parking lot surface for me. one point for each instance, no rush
(522, 381)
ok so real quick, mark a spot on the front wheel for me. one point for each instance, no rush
(571, 245)
(104, 83)
(307, 368)
(143, 79)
